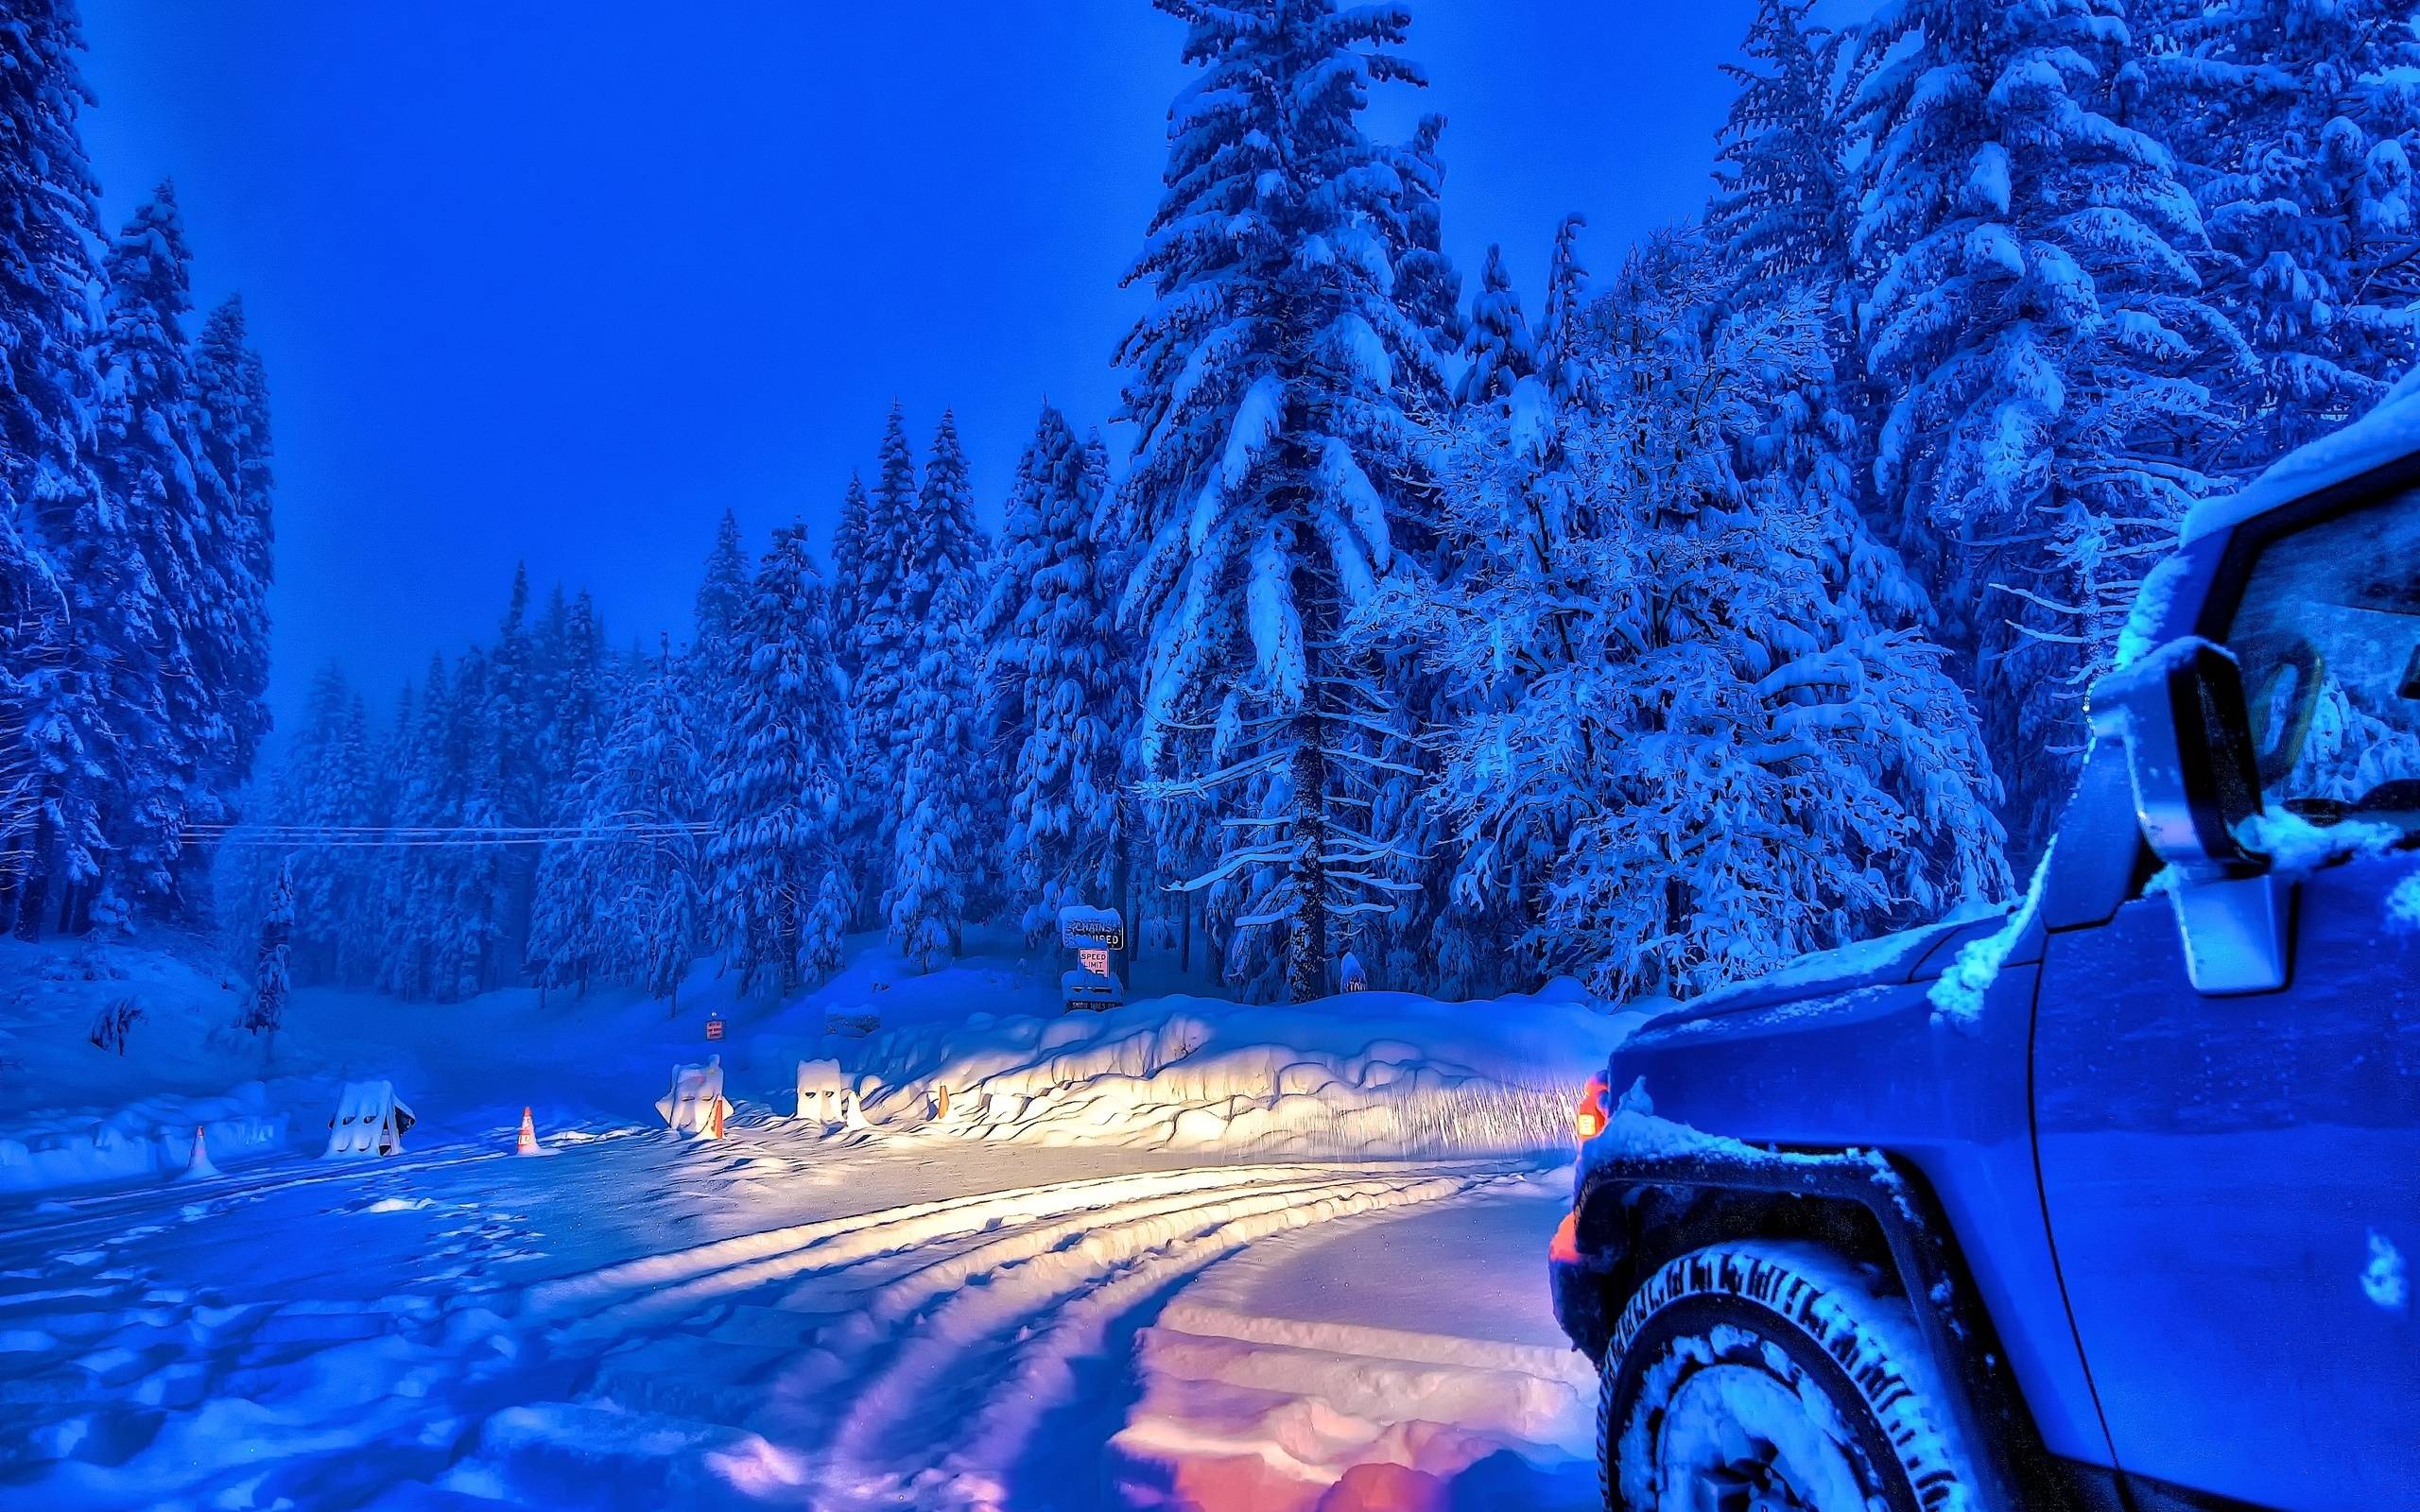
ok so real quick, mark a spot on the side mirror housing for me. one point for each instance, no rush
(2187, 734)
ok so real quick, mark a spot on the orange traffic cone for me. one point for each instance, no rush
(199, 1168)
(527, 1143)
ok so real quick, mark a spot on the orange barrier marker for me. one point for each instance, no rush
(527, 1143)
(713, 1120)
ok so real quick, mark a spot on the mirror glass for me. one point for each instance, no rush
(2328, 635)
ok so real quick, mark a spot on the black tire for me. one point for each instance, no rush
(1758, 1376)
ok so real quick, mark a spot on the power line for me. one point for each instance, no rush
(368, 836)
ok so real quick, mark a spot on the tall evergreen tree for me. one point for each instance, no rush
(2299, 125)
(1499, 350)
(53, 666)
(508, 789)
(1676, 738)
(1265, 381)
(271, 983)
(148, 534)
(779, 780)
(849, 565)
(1427, 285)
(232, 638)
(624, 901)
(2039, 324)
(1060, 678)
(889, 604)
(712, 664)
(949, 543)
(935, 862)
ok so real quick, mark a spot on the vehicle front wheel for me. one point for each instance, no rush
(1773, 1377)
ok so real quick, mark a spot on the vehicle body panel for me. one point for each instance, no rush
(2218, 1172)
(1874, 1067)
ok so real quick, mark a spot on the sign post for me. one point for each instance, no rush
(1092, 933)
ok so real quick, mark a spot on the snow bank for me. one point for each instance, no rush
(151, 1137)
(1367, 1073)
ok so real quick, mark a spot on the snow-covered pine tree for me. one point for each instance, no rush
(1059, 679)
(948, 541)
(570, 933)
(1780, 231)
(53, 682)
(1784, 210)
(231, 640)
(512, 772)
(271, 983)
(934, 858)
(2298, 124)
(325, 786)
(412, 877)
(658, 778)
(712, 667)
(723, 595)
(778, 783)
(624, 901)
(1265, 382)
(2036, 317)
(849, 568)
(582, 705)
(1463, 933)
(953, 556)
(1665, 718)
(884, 635)
(1427, 285)
(148, 535)
(1498, 349)
(473, 903)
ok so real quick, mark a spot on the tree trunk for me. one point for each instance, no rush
(1121, 893)
(32, 891)
(1306, 966)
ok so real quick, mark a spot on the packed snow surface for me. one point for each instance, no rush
(1402, 1360)
(900, 1300)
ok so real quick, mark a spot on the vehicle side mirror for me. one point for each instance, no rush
(2187, 734)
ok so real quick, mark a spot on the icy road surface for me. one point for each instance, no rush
(639, 1320)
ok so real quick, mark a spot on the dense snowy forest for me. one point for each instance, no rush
(1734, 597)
(134, 530)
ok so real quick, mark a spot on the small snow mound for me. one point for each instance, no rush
(2403, 902)
(2384, 1280)
(2293, 844)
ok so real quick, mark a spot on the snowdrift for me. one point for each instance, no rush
(150, 1138)
(1377, 1073)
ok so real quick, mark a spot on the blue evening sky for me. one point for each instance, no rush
(558, 283)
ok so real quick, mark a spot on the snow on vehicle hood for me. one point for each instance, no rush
(1884, 960)
(2387, 434)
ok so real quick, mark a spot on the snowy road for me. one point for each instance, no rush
(632, 1321)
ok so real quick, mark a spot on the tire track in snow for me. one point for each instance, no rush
(682, 1280)
(1042, 1304)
